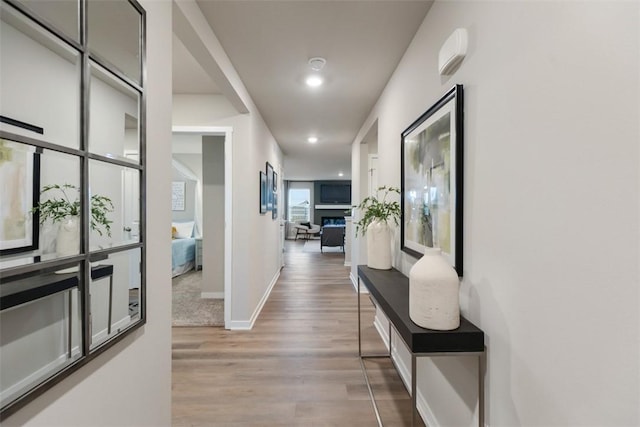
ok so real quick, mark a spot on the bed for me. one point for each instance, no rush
(183, 248)
(183, 256)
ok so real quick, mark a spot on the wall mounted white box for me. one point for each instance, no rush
(453, 52)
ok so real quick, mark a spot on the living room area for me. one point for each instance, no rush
(317, 215)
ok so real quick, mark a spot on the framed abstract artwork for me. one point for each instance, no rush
(270, 186)
(432, 180)
(263, 192)
(20, 188)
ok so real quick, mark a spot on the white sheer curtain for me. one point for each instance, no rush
(187, 173)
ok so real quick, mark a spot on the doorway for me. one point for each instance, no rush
(216, 152)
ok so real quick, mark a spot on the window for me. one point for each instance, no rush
(299, 206)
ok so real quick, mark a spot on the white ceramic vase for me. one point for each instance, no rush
(379, 245)
(68, 238)
(434, 288)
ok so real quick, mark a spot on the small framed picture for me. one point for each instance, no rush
(269, 186)
(263, 193)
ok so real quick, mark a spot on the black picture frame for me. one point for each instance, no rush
(263, 193)
(269, 171)
(275, 182)
(432, 165)
(22, 125)
(29, 156)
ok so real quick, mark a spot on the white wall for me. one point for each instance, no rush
(130, 384)
(24, 82)
(187, 150)
(551, 221)
(253, 145)
(356, 183)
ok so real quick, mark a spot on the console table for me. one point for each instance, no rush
(390, 289)
(28, 288)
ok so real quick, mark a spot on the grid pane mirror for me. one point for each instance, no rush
(72, 249)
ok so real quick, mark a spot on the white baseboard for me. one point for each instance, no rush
(239, 325)
(35, 377)
(212, 295)
(405, 373)
(354, 282)
(102, 335)
(248, 324)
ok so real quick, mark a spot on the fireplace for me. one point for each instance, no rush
(333, 220)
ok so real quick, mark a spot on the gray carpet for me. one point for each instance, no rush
(191, 310)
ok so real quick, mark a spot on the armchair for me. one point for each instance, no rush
(332, 236)
(305, 231)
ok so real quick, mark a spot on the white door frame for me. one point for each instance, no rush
(227, 132)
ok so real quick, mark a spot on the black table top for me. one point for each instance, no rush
(31, 288)
(390, 288)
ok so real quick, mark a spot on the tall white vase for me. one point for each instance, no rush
(434, 288)
(379, 245)
(68, 238)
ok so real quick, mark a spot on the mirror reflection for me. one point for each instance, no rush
(114, 34)
(40, 210)
(62, 14)
(116, 191)
(115, 294)
(36, 66)
(113, 128)
(60, 305)
(40, 328)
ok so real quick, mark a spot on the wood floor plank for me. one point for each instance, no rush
(298, 366)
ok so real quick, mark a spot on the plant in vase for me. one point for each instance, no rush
(376, 213)
(65, 210)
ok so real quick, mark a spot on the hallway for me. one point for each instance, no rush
(299, 364)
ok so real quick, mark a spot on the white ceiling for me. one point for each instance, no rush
(270, 43)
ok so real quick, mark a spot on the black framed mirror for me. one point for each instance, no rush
(72, 216)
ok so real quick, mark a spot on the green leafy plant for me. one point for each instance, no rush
(59, 208)
(375, 208)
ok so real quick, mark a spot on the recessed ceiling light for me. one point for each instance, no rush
(340, 174)
(312, 139)
(314, 81)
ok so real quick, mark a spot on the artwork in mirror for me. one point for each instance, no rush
(114, 33)
(115, 294)
(40, 328)
(41, 195)
(114, 110)
(61, 14)
(118, 190)
(19, 192)
(432, 180)
(53, 71)
(72, 260)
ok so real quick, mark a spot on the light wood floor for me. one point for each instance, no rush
(298, 366)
